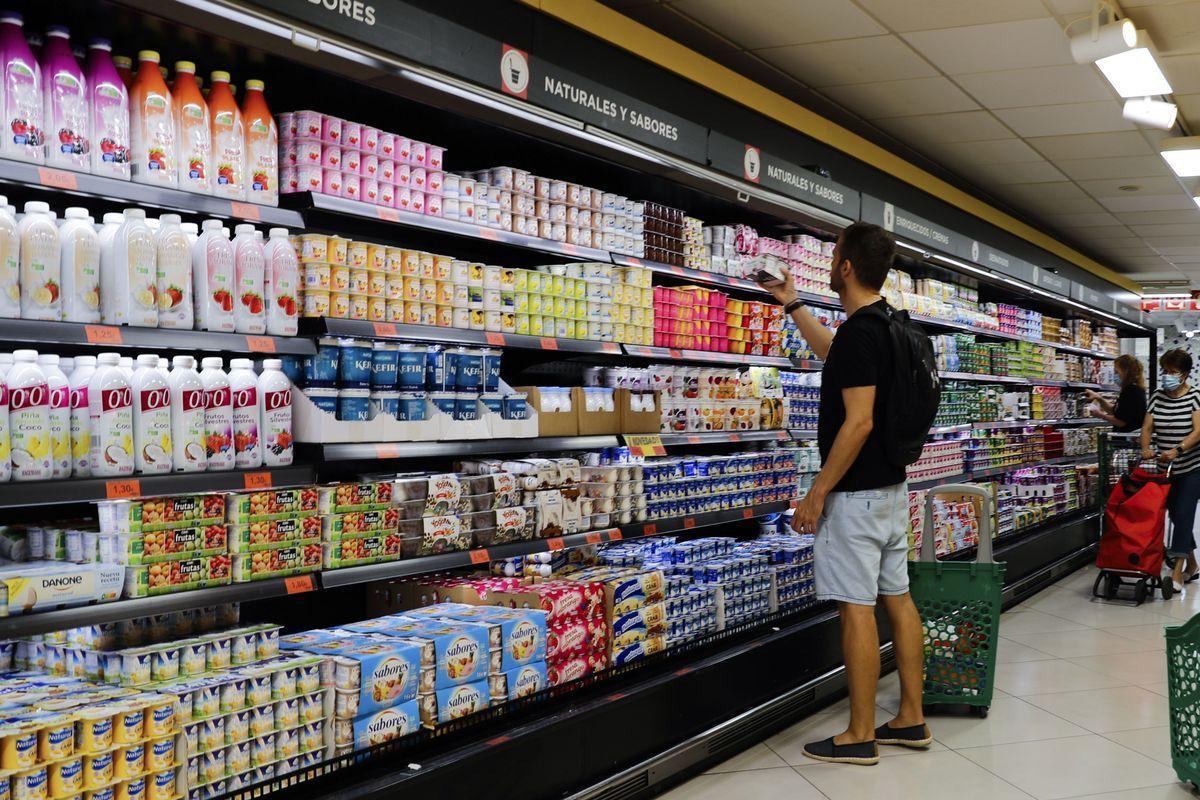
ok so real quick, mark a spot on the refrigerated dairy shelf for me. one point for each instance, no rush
(382, 451)
(325, 326)
(720, 437)
(113, 189)
(37, 332)
(710, 357)
(935, 322)
(991, 472)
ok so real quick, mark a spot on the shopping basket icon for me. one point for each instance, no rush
(959, 604)
(1183, 698)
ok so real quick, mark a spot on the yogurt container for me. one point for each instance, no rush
(386, 403)
(324, 399)
(355, 363)
(410, 407)
(353, 405)
(445, 402)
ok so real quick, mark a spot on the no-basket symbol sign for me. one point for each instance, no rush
(752, 163)
(514, 72)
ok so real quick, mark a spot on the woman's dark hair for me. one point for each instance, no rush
(1178, 359)
(1132, 368)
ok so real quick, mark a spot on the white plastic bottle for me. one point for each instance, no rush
(151, 417)
(281, 281)
(5, 448)
(80, 267)
(110, 418)
(81, 429)
(187, 416)
(128, 272)
(28, 418)
(213, 278)
(174, 274)
(243, 386)
(218, 415)
(126, 364)
(192, 231)
(275, 400)
(10, 263)
(41, 280)
(59, 417)
(249, 312)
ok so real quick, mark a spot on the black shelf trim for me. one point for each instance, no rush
(114, 337)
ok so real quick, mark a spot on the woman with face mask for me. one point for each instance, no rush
(1173, 427)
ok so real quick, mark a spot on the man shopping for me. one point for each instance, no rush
(857, 507)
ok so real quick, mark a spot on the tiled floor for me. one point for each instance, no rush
(1080, 711)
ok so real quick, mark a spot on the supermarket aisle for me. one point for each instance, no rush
(1080, 711)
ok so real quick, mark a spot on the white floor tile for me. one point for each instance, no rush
(758, 784)
(1157, 688)
(1103, 710)
(1060, 768)
(1074, 644)
(1135, 668)
(1154, 742)
(1010, 652)
(1034, 621)
(930, 776)
(1149, 634)
(1174, 791)
(1009, 720)
(1039, 677)
(757, 757)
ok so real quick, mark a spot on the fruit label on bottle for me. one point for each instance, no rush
(277, 428)
(110, 130)
(59, 429)
(250, 276)
(190, 442)
(218, 265)
(81, 437)
(112, 433)
(10, 272)
(285, 277)
(23, 111)
(5, 450)
(85, 277)
(41, 290)
(218, 428)
(155, 161)
(174, 281)
(28, 420)
(247, 452)
(143, 276)
(262, 162)
(228, 139)
(195, 148)
(152, 430)
(69, 145)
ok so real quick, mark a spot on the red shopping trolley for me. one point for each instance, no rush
(1131, 540)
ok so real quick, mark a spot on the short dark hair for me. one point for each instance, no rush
(1177, 359)
(870, 250)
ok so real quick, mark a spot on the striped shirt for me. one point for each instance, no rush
(1173, 423)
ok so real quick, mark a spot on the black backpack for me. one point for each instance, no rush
(916, 388)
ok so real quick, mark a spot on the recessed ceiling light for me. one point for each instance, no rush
(1135, 73)
(1182, 154)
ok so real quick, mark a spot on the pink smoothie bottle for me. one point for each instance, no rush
(65, 107)
(21, 94)
(108, 101)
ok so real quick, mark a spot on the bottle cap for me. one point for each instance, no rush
(272, 363)
(183, 362)
(108, 359)
(219, 76)
(241, 363)
(28, 356)
(212, 362)
(254, 86)
(185, 66)
(37, 207)
(147, 360)
(169, 219)
(49, 359)
(75, 212)
(148, 55)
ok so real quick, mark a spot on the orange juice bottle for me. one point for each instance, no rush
(195, 134)
(262, 147)
(124, 65)
(152, 125)
(228, 139)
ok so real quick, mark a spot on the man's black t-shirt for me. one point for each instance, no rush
(861, 355)
(1130, 408)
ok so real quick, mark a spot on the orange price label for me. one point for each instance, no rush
(260, 344)
(649, 529)
(694, 440)
(569, 248)
(610, 347)
(489, 234)
(258, 480)
(676, 352)
(498, 740)
(387, 214)
(298, 584)
(792, 503)
(495, 339)
(735, 437)
(480, 556)
(747, 513)
(245, 210)
(555, 544)
(549, 343)
(102, 334)
(689, 522)
(387, 451)
(615, 535)
(593, 538)
(57, 178)
(123, 489)
(385, 329)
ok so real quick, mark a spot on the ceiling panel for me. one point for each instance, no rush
(987, 48)
(963, 126)
(1024, 172)
(1105, 233)
(1150, 202)
(1082, 220)
(905, 15)
(1086, 169)
(904, 98)
(1092, 145)
(849, 61)
(1183, 72)
(1065, 119)
(772, 23)
(1039, 86)
(1160, 217)
(1167, 230)
(994, 151)
(1173, 27)
(1111, 187)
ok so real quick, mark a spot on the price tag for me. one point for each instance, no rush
(297, 584)
(495, 339)
(102, 334)
(480, 556)
(245, 211)
(387, 451)
(385, 329)
(260, 344)
(555, 544)
(489, 234)
(570, 249)
(649, 529)
(735, 437)
(677, 271)
(258, 480)
(123, 489)
(694, 440)
(689, 522)
(615, 535)
(498, 740)
(57, 178)
(387, 214)
(593, 538)
(549, 343)
(610, 347)
(679, 673)
(616, 696)
(645, 444)
(747, 513)
(634, 261)
(675, 352)
(791, 504)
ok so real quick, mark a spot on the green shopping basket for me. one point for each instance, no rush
(959, 604)
(1183, 698)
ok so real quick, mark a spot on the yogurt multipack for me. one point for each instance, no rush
(520, 634)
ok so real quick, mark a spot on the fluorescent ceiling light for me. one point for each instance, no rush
(1101, 42)
(1151, 113)
(1196, 200)
(1135, 73)
(1182, 153)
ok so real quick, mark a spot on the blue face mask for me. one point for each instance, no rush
(1171, 382)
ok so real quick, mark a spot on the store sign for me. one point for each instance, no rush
(1088, 296)
(913, 228)
(755, 165)
(999, 261)
(1051, 282)
(568, 93)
